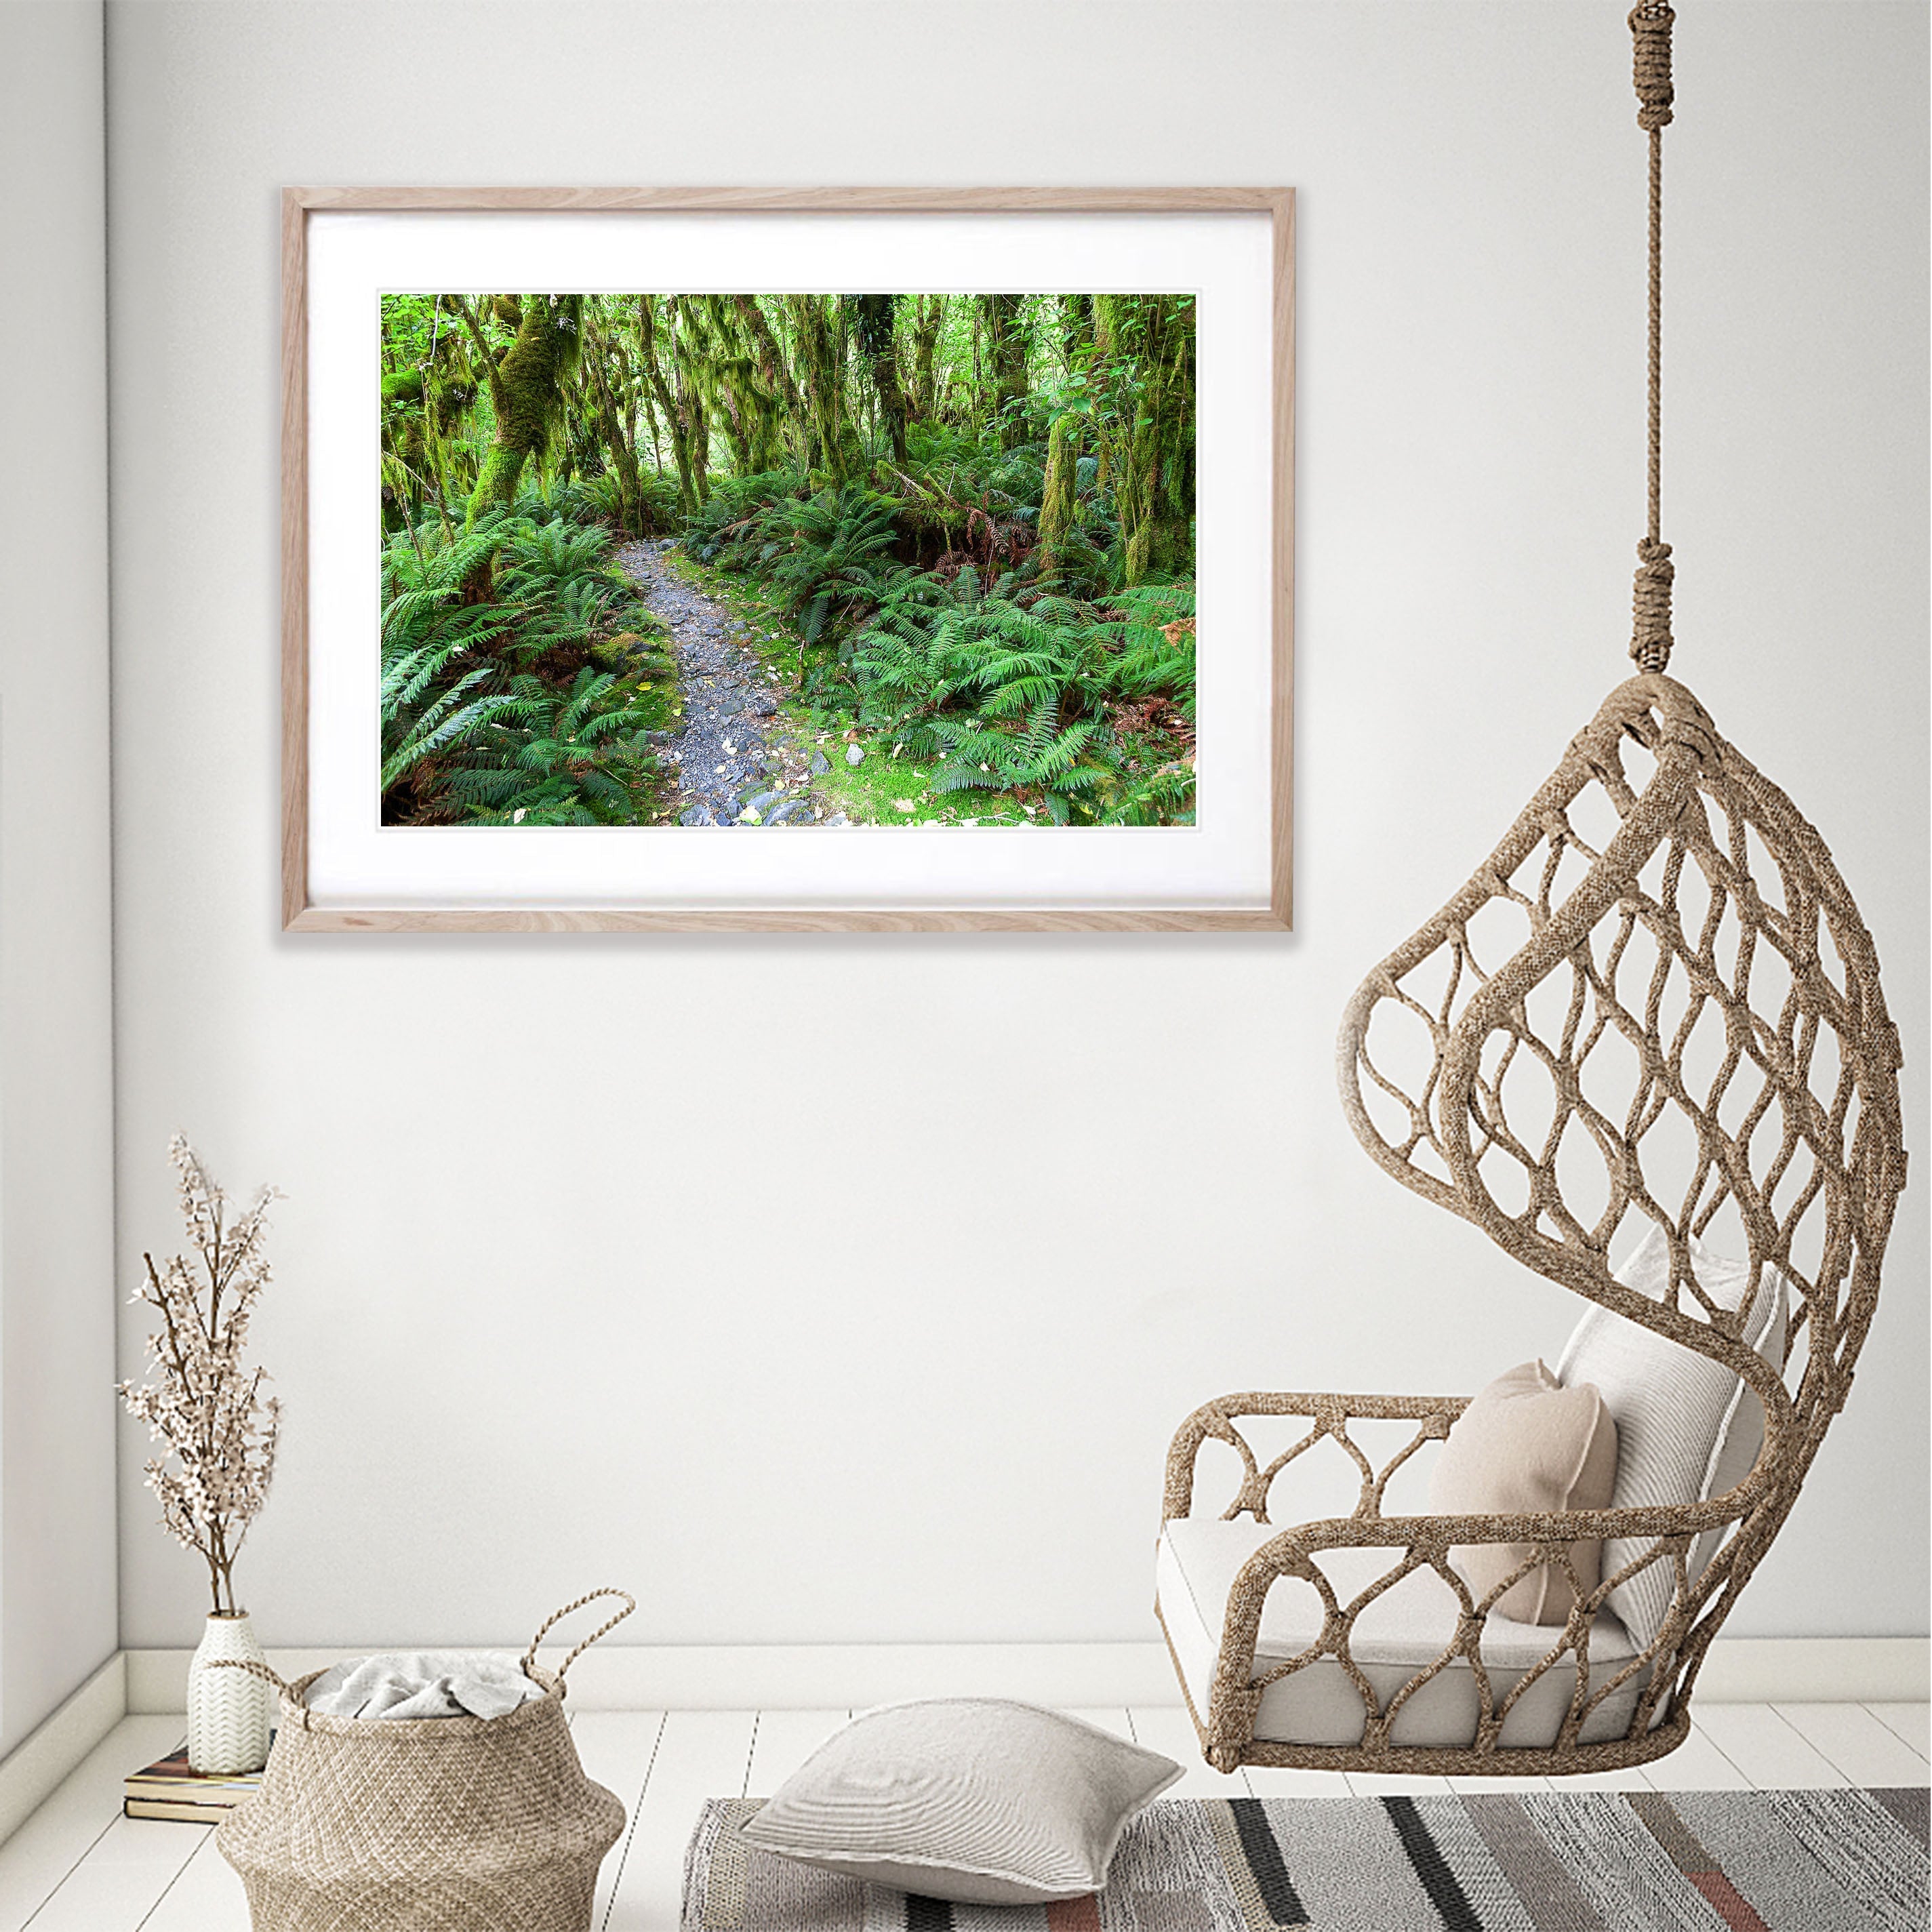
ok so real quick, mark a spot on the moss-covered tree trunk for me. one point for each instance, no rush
(1057, 501)
(527, 390)
(879, 346)
(1076, 327)
(736, 397)
(688, 379)
(821, 380)
(1149, 341)
(454, 384)
(1006, 351)
(404, 458)
(667, 403)
(1106, 312)
(619, 437)
(775, 373)
(697, 423)
(922, 395)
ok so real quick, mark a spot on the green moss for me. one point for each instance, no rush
(1057, 501)
(452, 397)
(870, 794)
(528, 391)
(647, 651)
(1006, 342)
(661, 702)
(1154, 487)
(497, 482)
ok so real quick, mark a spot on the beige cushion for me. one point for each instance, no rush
(1527, 1445)
(969, 1799)
(1407, 1627)
(1688, 1429)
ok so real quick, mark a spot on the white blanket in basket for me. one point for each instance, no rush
(422, 1684)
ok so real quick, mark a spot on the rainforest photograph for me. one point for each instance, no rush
(783, 560)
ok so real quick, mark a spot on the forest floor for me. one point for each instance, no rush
(751, 750)
(736, 763)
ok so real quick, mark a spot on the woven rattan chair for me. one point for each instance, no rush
(1654, 1005)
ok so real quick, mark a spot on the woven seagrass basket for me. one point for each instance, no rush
(437, 1825)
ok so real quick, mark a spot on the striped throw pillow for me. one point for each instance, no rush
(1688, 1429)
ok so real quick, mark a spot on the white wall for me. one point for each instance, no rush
(57, 1504)
(849, 1288)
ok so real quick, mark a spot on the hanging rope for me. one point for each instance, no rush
(1651, 641)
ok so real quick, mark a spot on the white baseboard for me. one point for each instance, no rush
(771, 1677)
(768, 1677)
(1816, 1670)
(34, 1770)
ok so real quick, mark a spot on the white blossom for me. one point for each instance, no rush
(218, 1429)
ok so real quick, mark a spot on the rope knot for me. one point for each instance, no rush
(1651, 640)
(1650, 24)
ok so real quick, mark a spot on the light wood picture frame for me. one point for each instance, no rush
(330, 382)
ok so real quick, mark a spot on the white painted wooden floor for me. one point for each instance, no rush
(78, 1866)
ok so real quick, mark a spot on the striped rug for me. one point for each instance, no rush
(1565, 1862)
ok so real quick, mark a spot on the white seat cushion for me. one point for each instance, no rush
(1403, 1631)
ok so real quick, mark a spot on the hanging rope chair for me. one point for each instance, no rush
(1655, 1009)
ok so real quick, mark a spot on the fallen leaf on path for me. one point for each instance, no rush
(903, 804)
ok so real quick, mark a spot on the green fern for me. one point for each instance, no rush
(472, 728)
(1016, 698)
(551, 758)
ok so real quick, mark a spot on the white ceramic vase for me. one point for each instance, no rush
(229, 1712)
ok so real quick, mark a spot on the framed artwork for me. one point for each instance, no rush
(934, 545)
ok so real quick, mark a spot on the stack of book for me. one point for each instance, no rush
(171, 1789)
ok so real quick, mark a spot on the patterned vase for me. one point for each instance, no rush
(229, 1712)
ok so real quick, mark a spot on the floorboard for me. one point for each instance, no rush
(1632, 1777)
(129, 1866)
(77, 1866)
(205, 1895)
(784, 1741)
(1855, 1745)
(617, 1749)
(701, 1754)
(1167, 1728)
(61, 1833)
(1765, 1748)
(1280, 1780)
(1397, 1784)
(1696, 1765)
(1911, 1722)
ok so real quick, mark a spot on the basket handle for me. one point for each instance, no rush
(630, 1603)
(253, 1670)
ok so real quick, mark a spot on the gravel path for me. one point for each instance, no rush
(730, 773)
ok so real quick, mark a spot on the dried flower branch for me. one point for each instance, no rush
(219, 1430)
